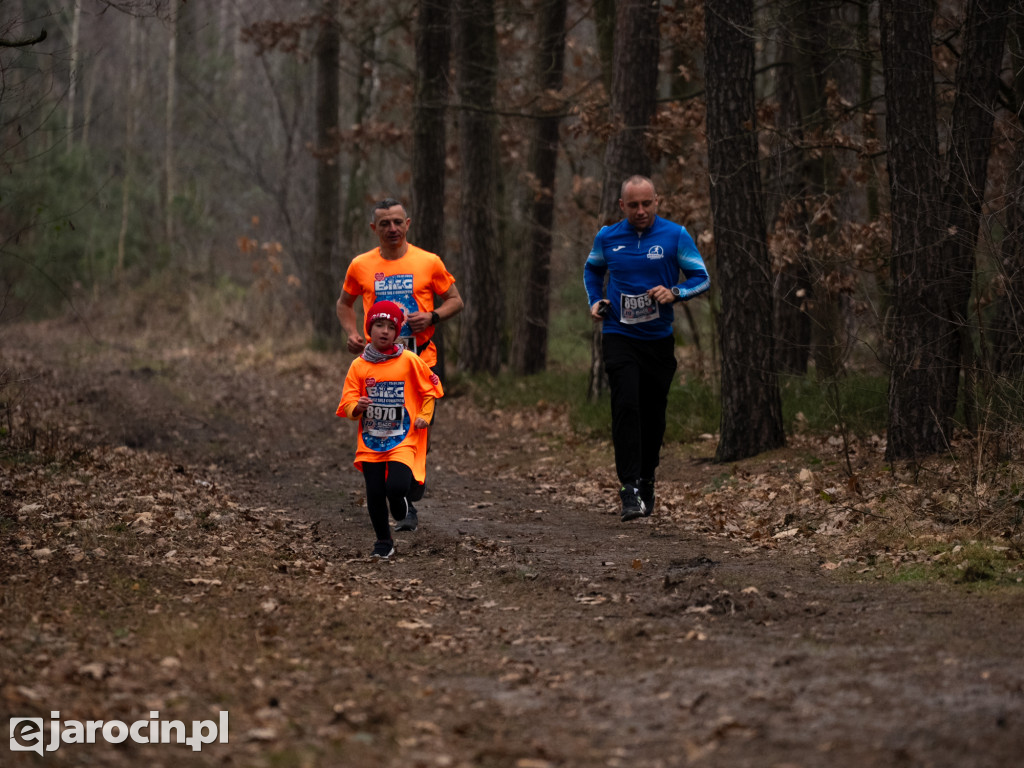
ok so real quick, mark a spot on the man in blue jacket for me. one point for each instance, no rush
(642, 256)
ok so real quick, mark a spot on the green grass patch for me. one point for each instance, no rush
(720, 481)
(975, 563)
(693, 407)
(858, 400)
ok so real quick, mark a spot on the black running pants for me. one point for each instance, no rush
(640, 374)
(387, 484)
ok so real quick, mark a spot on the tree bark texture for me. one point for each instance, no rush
(530, 344)
(751, 405)
(430, 137)
(792, 323)
(170, 182)
(604, 18)
(866, 77)
(1006, 334)
(131, 120)
(320, 286)
(433, 50)
(633, 97)
(633, 103)
(813, 59)
(476, 62)
(785, 179)
(974, 106)
(918, 418)
(353, 218)
(74, 73)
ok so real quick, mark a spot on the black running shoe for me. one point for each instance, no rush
(647, 495)
(417, 490)
(382, 550)
(410, 522)
(632, 504)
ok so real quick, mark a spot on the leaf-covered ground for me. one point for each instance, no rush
(181, 531)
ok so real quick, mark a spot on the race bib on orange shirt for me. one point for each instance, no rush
(385, 422)
(396, 288)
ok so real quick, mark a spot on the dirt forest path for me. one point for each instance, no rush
(200, 544)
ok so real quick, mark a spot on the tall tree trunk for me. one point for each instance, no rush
(633, 103)
(751, 405)
(825, 273)
(792, 323)
(319, 280)
(433, 46)
(353, 211)
(169, 110)
(1006, 335)
(190, 77)
(531, 338)
(476, 62)
(974, 104)
(633, 98)
(786, 184)
(866, 54)
(74, 72)
(130, 128)
(918, 422)
(934, 234)
(433, 49)
(604, 18)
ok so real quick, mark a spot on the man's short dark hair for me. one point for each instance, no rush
(383, 205)
(636, 178)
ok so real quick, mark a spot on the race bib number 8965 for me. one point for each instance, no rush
(637, 309)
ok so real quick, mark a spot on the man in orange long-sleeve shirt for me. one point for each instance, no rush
(398, 271)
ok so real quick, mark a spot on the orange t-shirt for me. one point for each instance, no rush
(410, 282)
(400, 388)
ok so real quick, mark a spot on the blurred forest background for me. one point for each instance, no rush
(851, 171)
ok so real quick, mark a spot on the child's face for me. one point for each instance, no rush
(383, 334)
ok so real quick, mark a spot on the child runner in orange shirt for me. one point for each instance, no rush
(391, 392)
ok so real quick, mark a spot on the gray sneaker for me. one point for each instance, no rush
(632, 504)
(408, 523)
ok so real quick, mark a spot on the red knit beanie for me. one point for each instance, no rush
(386, 310)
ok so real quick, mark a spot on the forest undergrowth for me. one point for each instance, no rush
(181, 530)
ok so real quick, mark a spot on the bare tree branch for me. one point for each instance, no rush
(23, 43)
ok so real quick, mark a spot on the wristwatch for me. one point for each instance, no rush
(676, 292)
(434, 318)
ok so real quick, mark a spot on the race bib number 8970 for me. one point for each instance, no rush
(384, 422)
(382, 413)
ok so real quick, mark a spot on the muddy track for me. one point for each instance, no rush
(546, 632)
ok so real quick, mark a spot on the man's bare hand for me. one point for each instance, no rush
(356, 343)
(661, 294)
(418, 321)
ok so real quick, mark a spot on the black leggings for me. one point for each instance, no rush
(387, 484)
(640, 374)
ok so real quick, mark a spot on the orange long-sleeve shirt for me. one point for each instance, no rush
(400, 389)
(410, 282)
